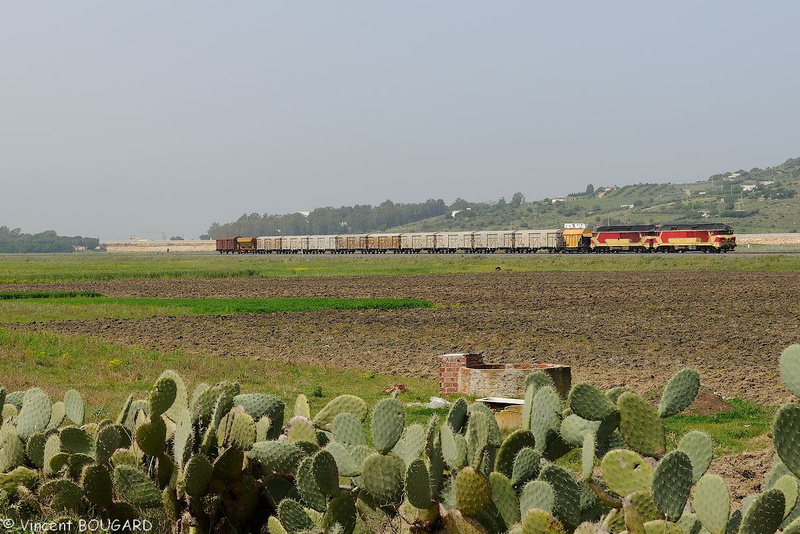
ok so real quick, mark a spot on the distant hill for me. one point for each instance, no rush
(754, 201)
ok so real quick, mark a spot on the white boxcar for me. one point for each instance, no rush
(383, 242)
(319, 244)
(294, 243)
(493, 240)
(533, 240)
(268, 244)
(418, 242)
(351, 243)
(453, 241)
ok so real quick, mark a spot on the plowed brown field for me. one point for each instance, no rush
(612, 328)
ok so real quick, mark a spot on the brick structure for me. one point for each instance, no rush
(450, 366)
(467, 374)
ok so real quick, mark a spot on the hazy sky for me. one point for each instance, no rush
(133, 118)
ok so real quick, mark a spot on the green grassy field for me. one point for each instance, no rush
(38, 306)
(98, 267)
(106, 373)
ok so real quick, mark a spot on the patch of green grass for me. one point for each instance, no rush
(98, 267)
(743, 428)
(16, 295)
(81, 308)
(106, 373)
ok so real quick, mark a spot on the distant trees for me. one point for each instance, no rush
(13, 241)
(347, 219)
(590, 189)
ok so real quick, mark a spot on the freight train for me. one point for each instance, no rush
(671, 237)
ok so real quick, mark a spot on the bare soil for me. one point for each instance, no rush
(614, 329)
(634, 329)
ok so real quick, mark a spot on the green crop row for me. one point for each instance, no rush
(28, 307)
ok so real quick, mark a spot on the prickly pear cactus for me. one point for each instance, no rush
(679, 392)
(790, 368)
(641, 426)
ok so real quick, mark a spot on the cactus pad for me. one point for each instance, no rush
(276, 456)
(57, 414)
(418, 485)
(457, 415)
(495, 436)
(537, 494)
(12, 451)
(137, 489)
(786, 435)
(388, 420)
(151, 437)
(341, 404)
(790, 368)
(97, 485)
(110, 438)
(672, 482)
(382, 477)
(473, 493)
(587, 456)
(574, 428)
(625, 472)
(712, 503)
(545, 416)
(410, 445)
(325, 472)
(788, 485)
(341, 514)
(197, 475)
(301, 406)
(641, 426)
(293, 518)
(765, 514)
(66, 494)
(516, 441)
(541, 522)
(348, 430)
(74, 407)
(454, 448)
(20, 476)
(588, 402)
(699, 447)
(345, 462)
(162, 396)
(35, 449)
(301, 429)
(505, 498)
(679, 392)
(242, 433)
(526, 466)
(34, 415)
(309, 491)
(567, 504)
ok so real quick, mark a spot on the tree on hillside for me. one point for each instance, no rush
(517, 199)
(590, 189)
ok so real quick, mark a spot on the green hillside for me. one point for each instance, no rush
(755, 201)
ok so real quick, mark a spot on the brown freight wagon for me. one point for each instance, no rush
(226, 245)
